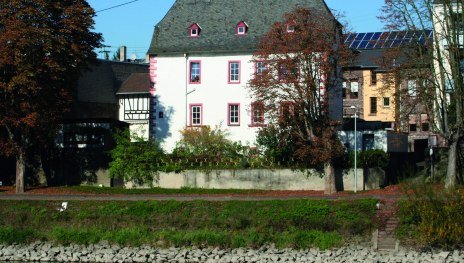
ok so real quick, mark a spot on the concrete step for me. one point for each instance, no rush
(386, 244)
(383, 233)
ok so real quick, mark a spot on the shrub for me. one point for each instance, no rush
(276, 144)
(135, 159)
(432, 217)
(373, 159)
(204, 141)
(366, 159)
(205, 148)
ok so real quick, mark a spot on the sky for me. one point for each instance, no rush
(132, 24)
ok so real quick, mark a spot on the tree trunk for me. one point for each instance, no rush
(451, 174)
(20, 172)
(329, 174)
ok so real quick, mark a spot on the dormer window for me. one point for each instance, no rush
(194, 30)
(241, 28)
(290, 26)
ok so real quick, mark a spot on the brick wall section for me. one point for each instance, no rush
(348, 101)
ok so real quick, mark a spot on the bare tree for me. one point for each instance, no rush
(436, 64)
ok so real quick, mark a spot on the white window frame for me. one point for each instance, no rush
(260, 67)
(234, 114)
(234, 73)
(194, 72)
(412, 88)
(257, 119)
(196, 120)
(290, 28)
(241, 30)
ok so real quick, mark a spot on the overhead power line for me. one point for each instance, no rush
(116, 6)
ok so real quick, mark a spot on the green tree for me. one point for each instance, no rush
(43, 46)
(134, 158)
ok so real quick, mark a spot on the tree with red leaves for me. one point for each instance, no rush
(43, 46)
(299, 76)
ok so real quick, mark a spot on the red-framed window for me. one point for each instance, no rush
(233, 114)
(195, 72)
(196, 114)
(288, 70)
(241, 28)
(194, 30)
(257, 114)
(234, 72)
(290, 27)
(260, 67)
(286, 110)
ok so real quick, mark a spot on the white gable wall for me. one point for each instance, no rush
(214, 93)
(138, 123)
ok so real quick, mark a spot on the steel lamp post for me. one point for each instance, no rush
(355, 149)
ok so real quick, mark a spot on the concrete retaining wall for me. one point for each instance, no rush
(284, 179)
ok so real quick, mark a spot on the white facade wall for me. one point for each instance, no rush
(213, 93)
(138, 126)
(441, 58)
(380, 139)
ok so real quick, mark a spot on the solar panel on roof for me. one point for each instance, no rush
(410, 34)
(393, 35)
(368, 36)
(350, 38)
(376, 35)
(375, 40)
(363, 44)
(396, 43)
(401, 35)
(355, 44)
(387, 44)
(360, 36)
(370, 44)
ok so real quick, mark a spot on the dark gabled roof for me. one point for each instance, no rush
(95, 95)
(137, 83)
(368, 58)
(100, 83)
(218, 19)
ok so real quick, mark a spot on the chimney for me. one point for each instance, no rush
(123, 53)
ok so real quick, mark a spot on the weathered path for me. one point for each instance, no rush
(139, 197)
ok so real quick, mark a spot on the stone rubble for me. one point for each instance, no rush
(104, 252)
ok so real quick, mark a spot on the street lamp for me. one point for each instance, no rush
(355, 149)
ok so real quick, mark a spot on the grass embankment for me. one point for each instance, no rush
(294, 223)
(432, 217)
(160, 191)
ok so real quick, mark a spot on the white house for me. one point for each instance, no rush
(448, 58)
(201, 62)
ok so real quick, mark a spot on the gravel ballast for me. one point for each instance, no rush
(104, 252)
